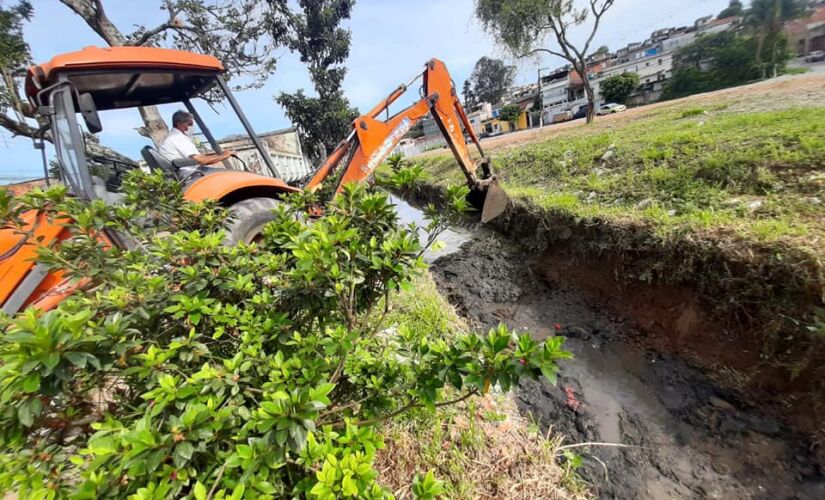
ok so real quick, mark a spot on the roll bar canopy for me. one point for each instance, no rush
(126, 77)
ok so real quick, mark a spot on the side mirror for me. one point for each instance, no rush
(87, 108)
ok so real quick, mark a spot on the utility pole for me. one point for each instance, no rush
(541, 99)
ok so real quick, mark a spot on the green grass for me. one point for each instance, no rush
(725, 193)
(681, 168)
(474, 446)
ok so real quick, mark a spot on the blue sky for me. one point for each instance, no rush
(391, 39)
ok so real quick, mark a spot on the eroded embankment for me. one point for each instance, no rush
(653, 371)
(735, 313)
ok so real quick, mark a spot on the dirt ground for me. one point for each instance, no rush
(778, 93)
(680, 435)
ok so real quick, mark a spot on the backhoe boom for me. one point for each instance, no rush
(372, 140)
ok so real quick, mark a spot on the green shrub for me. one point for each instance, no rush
(189, 369)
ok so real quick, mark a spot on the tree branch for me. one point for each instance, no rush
(96, 18)
(16, 127)
(171, 22)
(410, 406)
(597, 16)
(536, 51)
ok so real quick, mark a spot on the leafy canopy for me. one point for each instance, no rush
(529, 27)
(734, 8)
(618, 88)
(315, 33)
(491, 79)
(510, 113)
(190, 369)
(717, 61)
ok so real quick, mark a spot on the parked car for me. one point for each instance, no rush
(611, 108)
(562, 117)
(815, 56)
(581, 113)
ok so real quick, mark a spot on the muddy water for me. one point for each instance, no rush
(679, 436)
(452, 238)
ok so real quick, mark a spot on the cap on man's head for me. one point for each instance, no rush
(180, 116)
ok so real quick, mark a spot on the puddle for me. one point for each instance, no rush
(452, 238)
(683, 437)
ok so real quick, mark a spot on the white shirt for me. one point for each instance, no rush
(177, 146)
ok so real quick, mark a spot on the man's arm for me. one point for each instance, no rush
(213, 158)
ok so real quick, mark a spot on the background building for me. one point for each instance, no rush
(808, 34)
(283, 147)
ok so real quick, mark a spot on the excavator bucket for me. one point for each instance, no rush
(495, 202)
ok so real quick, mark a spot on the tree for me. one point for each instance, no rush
(521, 26)
(735, 8)
(323, 45)
(765, 20)
(14, 57)
(191, 369)
(16, 114)
(468, 95)
(234, 31)
(491, 80)
(713, 62)
(618, 88)
(602, 51)
(323, 121)
(510, 114)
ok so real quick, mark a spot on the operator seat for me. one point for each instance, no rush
(184, 170)
(157, 162)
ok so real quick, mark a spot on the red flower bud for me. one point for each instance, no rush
(557, 326)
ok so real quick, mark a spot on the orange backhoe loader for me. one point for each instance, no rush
(69, 90)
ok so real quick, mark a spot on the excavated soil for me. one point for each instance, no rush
(679, 433)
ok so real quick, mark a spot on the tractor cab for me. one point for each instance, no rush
(71, 89)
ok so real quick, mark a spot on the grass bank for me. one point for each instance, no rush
(712, 193)
(481, 448)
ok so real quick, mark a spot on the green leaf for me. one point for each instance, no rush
(51, 360)
(31, 383)
(77, 358)
(244, 451)
(348, 486)
(199, 491)
(102, 445)
(24, 414)
(185, 449)
(549, 372)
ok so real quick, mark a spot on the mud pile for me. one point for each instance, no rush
(681, 435)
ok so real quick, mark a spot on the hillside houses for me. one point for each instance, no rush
(562, 91)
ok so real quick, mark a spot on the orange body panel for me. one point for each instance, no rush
(14, 269)
(218, 185)
(98, 58)
(376, 139)
(363, 151)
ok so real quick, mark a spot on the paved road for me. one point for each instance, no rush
(818, 67)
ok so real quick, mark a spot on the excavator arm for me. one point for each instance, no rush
(371, 140)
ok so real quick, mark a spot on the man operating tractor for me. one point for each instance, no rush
(73, 88)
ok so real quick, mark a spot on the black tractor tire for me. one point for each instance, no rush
(248, 217)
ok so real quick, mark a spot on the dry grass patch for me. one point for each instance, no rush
(481, 449)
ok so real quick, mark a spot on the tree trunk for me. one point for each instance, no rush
(591, 100)
(155, 127)
(760, 45)
(581, 69)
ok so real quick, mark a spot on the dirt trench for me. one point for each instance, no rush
(680, 435)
